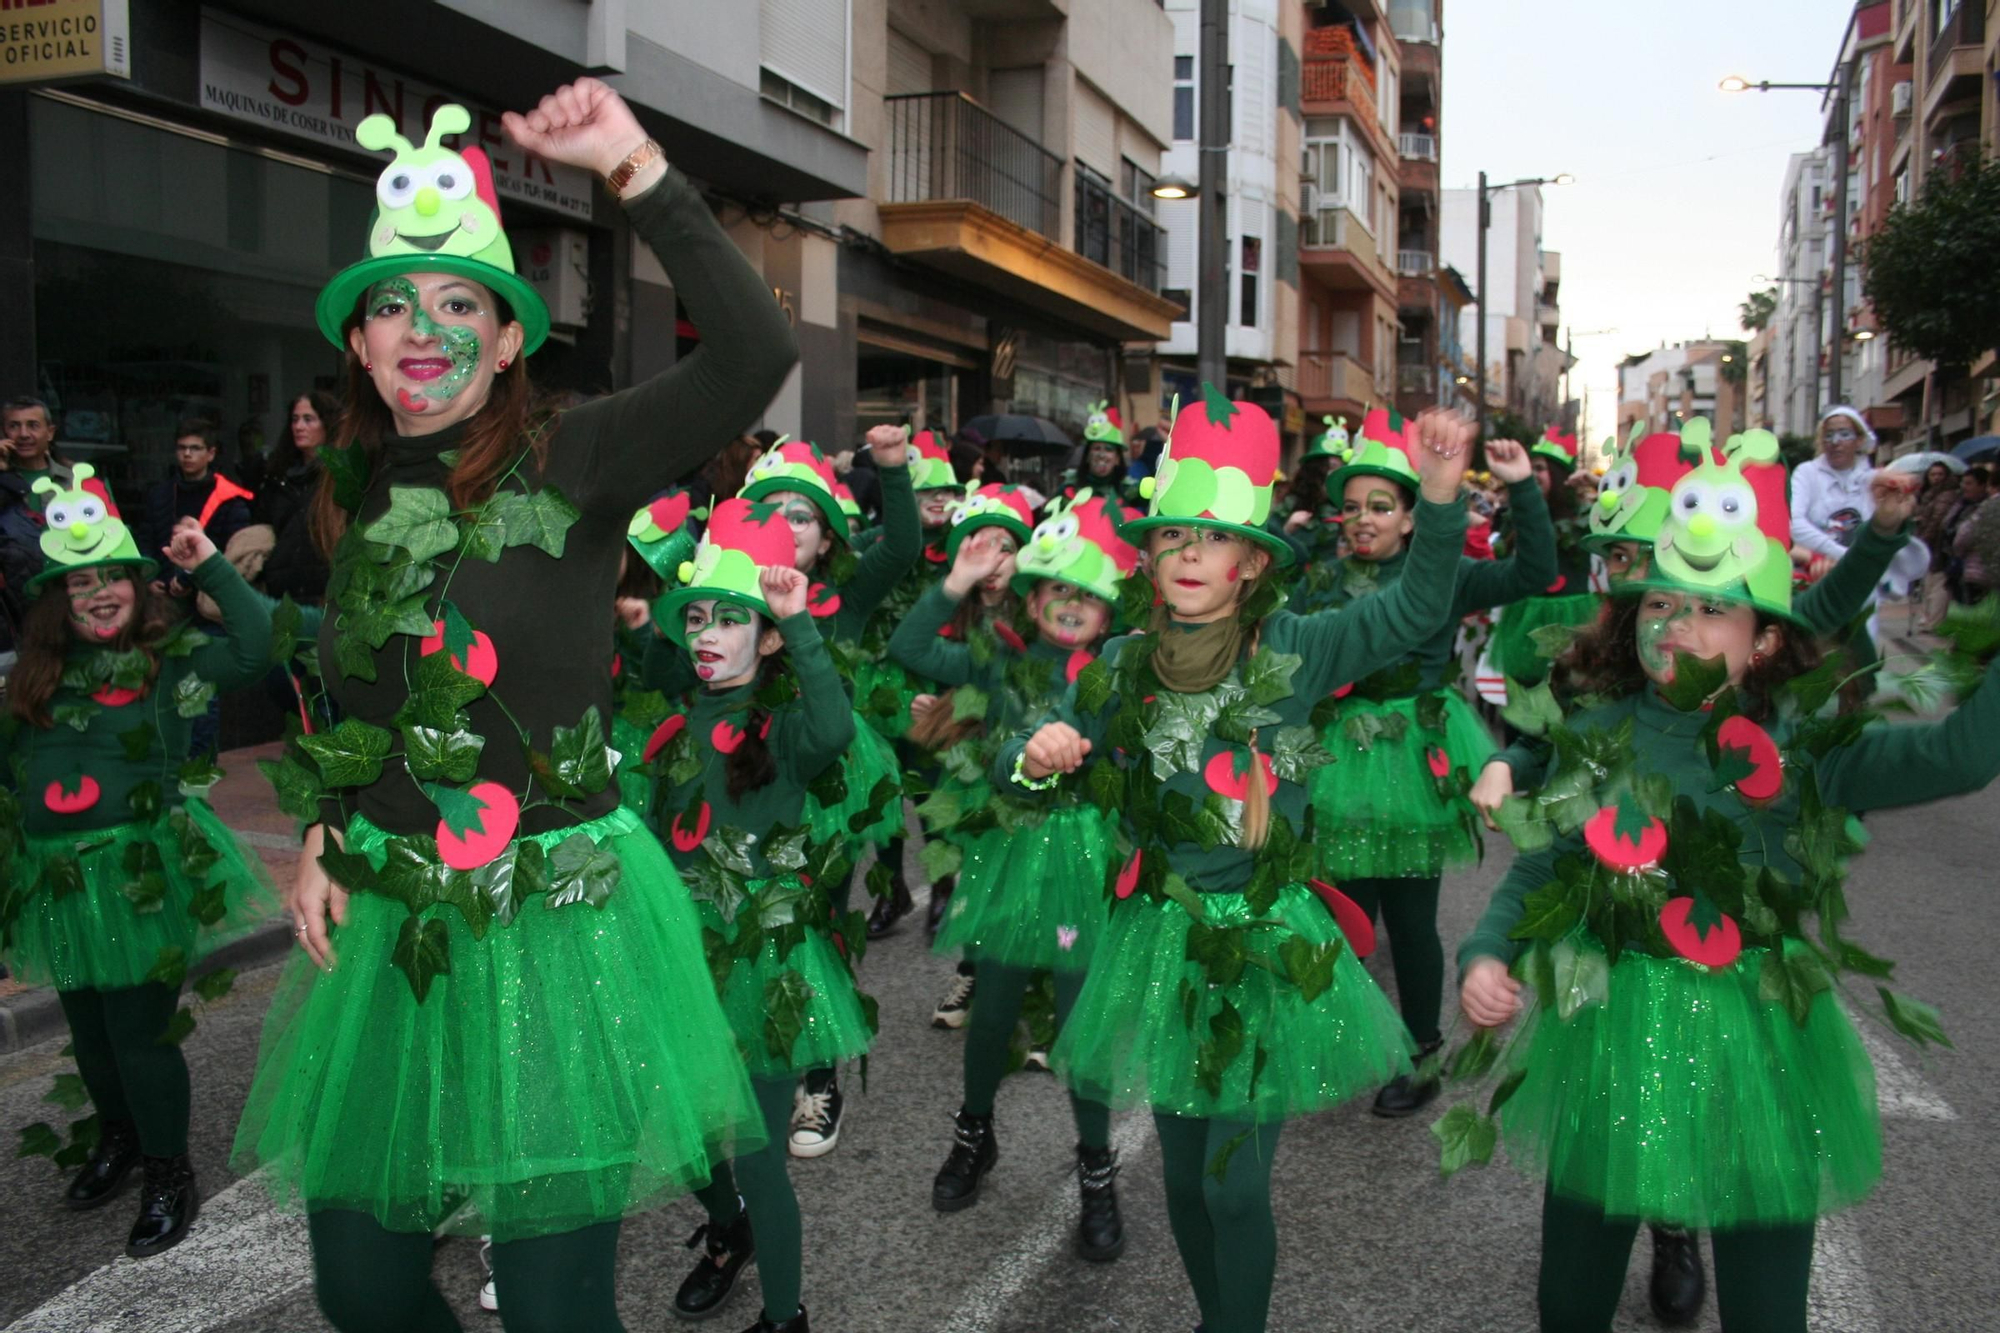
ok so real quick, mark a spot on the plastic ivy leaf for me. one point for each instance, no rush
(1225, 1042)
(418, 520)
(1531, 710)
(433, 753)
(1093, 687)
(192, 696)
(1517, 818)
(298, 788)
(422, 952)
(214, 985)
(137, 743)
(460, 809)
(508, 879)
(351, 754)
(1475, 1059)
(286, 618)
(208, 905)
(348, 467)
(485, 534)
(169, 966)
(353, 656)
(75, 715)
(578, 759)
(969, 704)
(1552, 641)
(1695, 680)
(1913, 1018)
(458, 636)
(538, 518)
(1465, 1138)
(68, 1092)
(438, 691)
(1219, 951)
(940, 858)
(1295, 752)
(786, 997)
(144, 801)
(581, 872)
(1973, 630)
(1309, 966)
(38, 1140)
(1793, 981)
(1176, 737)
(1268, 675)
(198, 774)
(179, 1028)
(1218, 1165)
(1583, 977)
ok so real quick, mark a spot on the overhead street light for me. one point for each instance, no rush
(1486, 221)
(1175, 187)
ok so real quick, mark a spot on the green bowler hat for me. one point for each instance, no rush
(1217, 471)
(435, 212)
(742, 540)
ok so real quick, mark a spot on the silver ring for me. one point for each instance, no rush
(301, 931)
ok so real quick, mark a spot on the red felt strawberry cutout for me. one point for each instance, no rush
(687, 839)
(1229, 773)
(1008, 635)
(1347, 914)
(725, 737)
(935, 554)
(1700, 932)
(662, 736)
(669, 511)
(617, 665)
(1128, 878)
(1078, 660)
(1747, 759)
(476, 658)
(1439, 761)
(114, 696)
(73, 797)
(1562, 581)
(822, 600)
(1344, 690)
(1625, 837)
(478, 822)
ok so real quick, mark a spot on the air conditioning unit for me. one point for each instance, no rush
(1900, 98)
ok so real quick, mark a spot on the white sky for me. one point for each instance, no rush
(1675, 206)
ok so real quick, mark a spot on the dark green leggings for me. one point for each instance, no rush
(996, 1008)
(1760, 1273)
(765, 1183)
(373, 1280)
(1224, 1229)
(1409, 908)
(131, 1075)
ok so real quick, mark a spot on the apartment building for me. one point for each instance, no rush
(1431, 368)
(1525, 364)
(1668, 386)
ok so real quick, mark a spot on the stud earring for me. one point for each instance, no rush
(1756, 659)
(368, 366)
(503, 363)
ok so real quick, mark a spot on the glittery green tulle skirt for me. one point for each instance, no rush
(1132, 1039)
(792, 1005)
(1686, 1099)
(635, 788)
(95, 909)
(866, 763)
(1032, 898)
(572, 1067)
(1378, 809)
(882, 695)
(1513, 648)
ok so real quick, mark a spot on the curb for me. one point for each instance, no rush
(35, 1015)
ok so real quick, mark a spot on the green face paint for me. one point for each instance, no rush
(459, 342)
(1659, 661)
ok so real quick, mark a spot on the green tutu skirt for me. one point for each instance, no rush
(1685, 1099)
(181, 883)
(883, 692)
(635, 789)
(790, 1013)
(1378, 812)
(571, 1068)
(1130, 1042)
(867, 761)
(1514, 650)
(1032, 898)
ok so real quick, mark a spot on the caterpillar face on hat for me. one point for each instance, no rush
(431, 200)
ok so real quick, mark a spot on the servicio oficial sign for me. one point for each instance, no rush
(45, 40)
(295, 85)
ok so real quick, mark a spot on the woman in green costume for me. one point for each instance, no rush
(112, 878)
(1692, 1068)
(1567, 600)
(501, 1016)
(1391, 813)
(771, 716)
(1224, 996)
(1030, 895)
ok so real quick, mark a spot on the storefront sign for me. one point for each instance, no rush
(42, 41)
(300, 87)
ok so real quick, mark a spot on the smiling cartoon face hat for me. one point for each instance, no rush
(930, 464)
(1717, 539)
(991, 506)
(1217, 471)
(1101, 431)
(1634, 494)
(1333, 442)
(799, 466)
(1078, 542)
(1558, 448)
(84, 531)
(742, 540)
(435, 212)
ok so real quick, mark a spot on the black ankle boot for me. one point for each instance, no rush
(940, 900)
(796, 1324)
(1678, 1286)
(116, 1153)
(890, 911)
(972, 1156)
(1100, 1232)
(1406, 1094)
(168, 1203)
(729, 1248)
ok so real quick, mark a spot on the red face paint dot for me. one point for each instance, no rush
(1235, 573)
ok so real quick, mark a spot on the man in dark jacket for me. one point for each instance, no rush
(197, 490)
(29, 454)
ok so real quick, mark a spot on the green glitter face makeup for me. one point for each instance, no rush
(439, 379)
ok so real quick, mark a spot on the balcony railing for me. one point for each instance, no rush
(1415, 263)
(947, 146)
(1112, 232)
(1336, 71)
(1418, 147)
(1334, 375)
(1965, 27)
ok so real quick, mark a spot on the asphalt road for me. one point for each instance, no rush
(1370, 1238)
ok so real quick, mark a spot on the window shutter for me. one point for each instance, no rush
(1015, 96)
(1096, 132)
(909, 66)
(805, 43)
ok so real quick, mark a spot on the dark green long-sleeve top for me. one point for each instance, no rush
(1333, 647)
(920, 647)
(145, 739)
(1886, 765)
(1480, 584)
(1826, 607)
(808, 736)
(547, 616)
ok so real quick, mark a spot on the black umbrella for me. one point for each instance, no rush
(1024, 433)
(1977, 449)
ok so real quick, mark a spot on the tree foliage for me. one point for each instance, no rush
(1756, 311)
(1933, 271)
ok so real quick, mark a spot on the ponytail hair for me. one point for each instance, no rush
(751, 766)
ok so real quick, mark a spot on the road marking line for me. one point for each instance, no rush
(1900, 1092)
(1840, 1300)
(1047, 1235)
(242, 1256)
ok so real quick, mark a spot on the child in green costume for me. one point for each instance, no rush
(1224, 996)
(113, 879)
(1691, 1068)
(1567, 600)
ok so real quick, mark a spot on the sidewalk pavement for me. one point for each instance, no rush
(30, 1014)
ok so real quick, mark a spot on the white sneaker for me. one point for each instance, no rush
(816, 1106)
(489, 1299)
(956, 1006)
(1038, 1058)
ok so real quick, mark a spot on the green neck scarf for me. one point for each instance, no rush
(1193, 659)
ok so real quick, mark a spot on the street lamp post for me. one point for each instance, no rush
(1485, 221)
(1212, 299)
